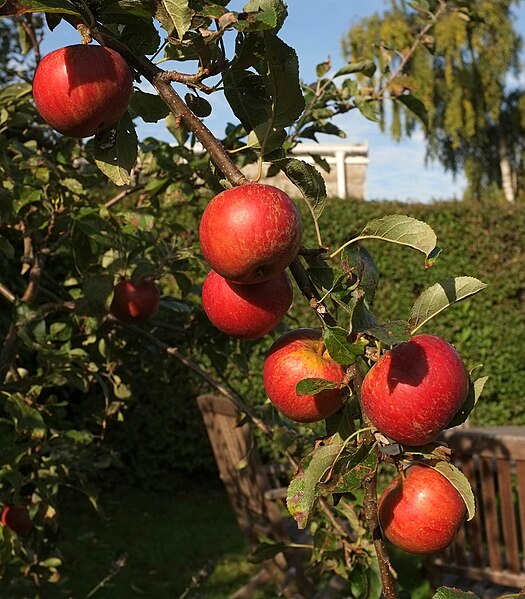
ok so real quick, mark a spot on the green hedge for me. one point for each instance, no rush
(487, 243)
(162, 435)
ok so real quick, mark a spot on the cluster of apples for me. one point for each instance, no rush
(249, 235)
(81, 90)
(410, 395)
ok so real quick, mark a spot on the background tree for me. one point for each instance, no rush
(451, 63)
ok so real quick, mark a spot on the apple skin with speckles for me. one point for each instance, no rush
(415, 389)
(420, 511)
(251, 233)
(81, 90)
(297, 355)
(246, 311)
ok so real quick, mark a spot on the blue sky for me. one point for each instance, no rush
(397, 170)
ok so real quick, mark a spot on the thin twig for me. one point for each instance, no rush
(123, 194)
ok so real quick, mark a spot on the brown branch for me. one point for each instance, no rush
(370, 501)
(411, 51)
(176, 104)
(372, 520)
(310, 292)
(236, 399)
(123, 194)
(7, 293)
(194, 80)
(29, 28)
(239, 402)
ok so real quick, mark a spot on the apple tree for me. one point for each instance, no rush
(108, 240)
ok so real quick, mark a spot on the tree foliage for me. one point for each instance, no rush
(453, 73)
(77, 216)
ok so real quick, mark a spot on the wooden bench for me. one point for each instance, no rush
(488, 554)
(257, 496)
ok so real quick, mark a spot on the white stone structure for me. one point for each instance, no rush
(347, 176)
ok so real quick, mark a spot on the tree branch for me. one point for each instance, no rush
(122, 194)
(176, 104)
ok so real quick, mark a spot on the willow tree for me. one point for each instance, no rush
(450, 65)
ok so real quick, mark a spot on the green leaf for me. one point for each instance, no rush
(404, 230)
(474, 392)
(74, 185)
(460, 482)
(281, 80)
(358, 261)
(390, 333)
(350, 471)
(278, 7)
(322, 68)
(447, 593)
(302, 491)
(257, 21)
(149, 107)
(14, 8)
(247, 97)
(180, 14)
(440, 296)
(338, 346)
(199, 106)
(308, 180)
(116, 151)
(266, 137)
(367, 67)
(28, 420)
(342, 422)
(141, 36)
(367, 108)
(312, 386)
(51, 562)
(267, 549)
(6, 248)
(416, 107)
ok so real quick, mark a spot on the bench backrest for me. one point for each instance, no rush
(491, 546)
(241, 469)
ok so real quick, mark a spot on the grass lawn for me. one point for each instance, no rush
(148, 545)
(151, 545)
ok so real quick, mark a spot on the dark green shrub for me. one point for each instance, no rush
(488, 244)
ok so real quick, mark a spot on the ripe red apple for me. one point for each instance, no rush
(297, 355)
(81, 90)
(17, 519)
(415, 389)
(246, 311)
(250, 234)
(421, 511)
(135, 302)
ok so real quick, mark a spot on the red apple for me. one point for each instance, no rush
(135, 302)
(246, 311)
(250, 234)
(17, 519)
(297, 355)
(421, 511)
(415, 389)
(81, 90)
